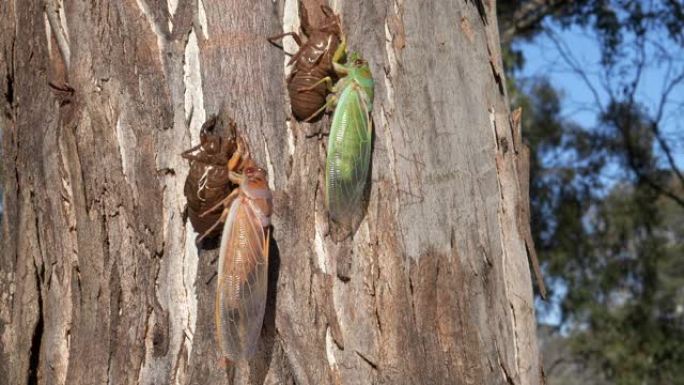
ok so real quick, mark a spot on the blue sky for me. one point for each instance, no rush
(544, 58)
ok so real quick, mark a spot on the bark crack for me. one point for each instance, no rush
(37, 338)
(367, 360)
(516, 347)
(506, 374)
(320, 251)
(9, 93)
(413, 302)
(11, 65)
(40, 268)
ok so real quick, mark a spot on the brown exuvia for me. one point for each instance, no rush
(312, 62)
(208, 180)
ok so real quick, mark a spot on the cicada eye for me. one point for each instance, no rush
(249, 171)
(255, 173)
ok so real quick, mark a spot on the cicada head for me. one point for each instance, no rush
(359, 65)
(256, 177)
(354, 56)
(359, 71)
(213, 148)
(212, 145)
(254, 184)
(331, 22)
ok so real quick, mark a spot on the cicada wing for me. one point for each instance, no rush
(349, 152)
(242, 283)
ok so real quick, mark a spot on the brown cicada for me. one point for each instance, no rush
(243, 258)
(312, 63)
(208, 180)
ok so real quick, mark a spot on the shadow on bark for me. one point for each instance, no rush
(210, 243)
(262, 361)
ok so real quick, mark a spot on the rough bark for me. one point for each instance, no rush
(101, 281)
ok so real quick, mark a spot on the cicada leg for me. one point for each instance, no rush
(328, 85)
(236, 177)
(339, 56)
(335, 26)
(187, 154)
(330, 102)
(294, 35)
(305, 24)
(240, 156)
(204, 138)
(235, 159)
(294, 57)
(327, 11)
(341, 51)
(225, 202)
(221, 219)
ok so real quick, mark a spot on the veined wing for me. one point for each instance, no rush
(349, 150)
(242, 283)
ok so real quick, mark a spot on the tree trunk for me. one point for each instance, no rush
(100, 278)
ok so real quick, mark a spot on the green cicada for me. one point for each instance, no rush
(349, 143)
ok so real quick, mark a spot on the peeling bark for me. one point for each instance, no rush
(100, 279)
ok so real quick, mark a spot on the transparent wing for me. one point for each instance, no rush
(349, 152)
(242, 283)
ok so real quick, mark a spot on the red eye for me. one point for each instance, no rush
(250, 170)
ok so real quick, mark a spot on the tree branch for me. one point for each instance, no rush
(576, 67)
(527, 16)
(656, 124)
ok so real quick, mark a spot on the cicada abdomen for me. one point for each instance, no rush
(349, 143)
(207, 182)
(312, 62)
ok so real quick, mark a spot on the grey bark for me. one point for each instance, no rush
(101, 282)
